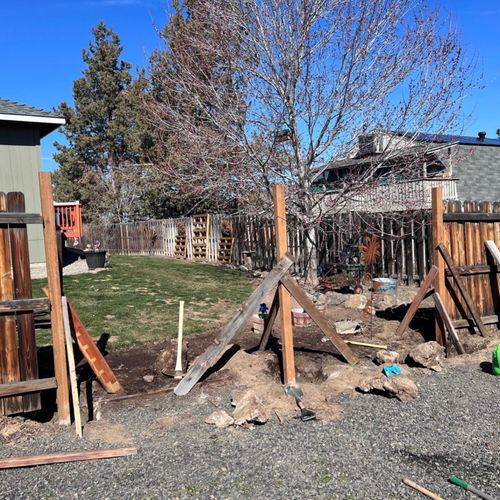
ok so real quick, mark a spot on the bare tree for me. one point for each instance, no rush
(307, 77)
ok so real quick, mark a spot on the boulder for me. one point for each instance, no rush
(248, 408)
(355, 301)
(382, 357)
(399, 386)
(473, 343)
(428, 355)
(220, 419)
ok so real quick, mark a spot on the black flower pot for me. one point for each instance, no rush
(95, 258)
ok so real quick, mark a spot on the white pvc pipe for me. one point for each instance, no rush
(178, 364)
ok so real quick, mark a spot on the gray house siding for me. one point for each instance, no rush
(478, 170)
(20, 162)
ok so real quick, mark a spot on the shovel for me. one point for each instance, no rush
(296, 392)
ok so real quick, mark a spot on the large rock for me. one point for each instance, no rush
(220, 418)
(429, 355)
(356, 301)
(398, 386)
(382, 357)
(473, 343)
(248, 408)
(346, 327)
(335, 298)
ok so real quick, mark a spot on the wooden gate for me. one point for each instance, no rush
(465, 228)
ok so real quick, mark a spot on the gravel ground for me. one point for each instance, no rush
(77, 267)
(453, 428)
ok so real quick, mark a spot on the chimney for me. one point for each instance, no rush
(481, 136)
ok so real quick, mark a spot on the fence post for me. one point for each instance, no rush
(437, 239)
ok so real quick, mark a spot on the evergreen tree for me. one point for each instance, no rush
(102, 165)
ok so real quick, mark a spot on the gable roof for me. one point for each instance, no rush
(12, 111)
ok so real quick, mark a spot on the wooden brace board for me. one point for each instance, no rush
(463, 291)
(300, 296)
(447, 322)
(417, 300)
(93, 356)
(214, 351)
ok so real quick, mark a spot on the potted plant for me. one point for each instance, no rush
(95, 256)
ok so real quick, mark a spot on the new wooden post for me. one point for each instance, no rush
(437, 239)
(285, 301)
(56, 312)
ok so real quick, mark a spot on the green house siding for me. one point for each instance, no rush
(20, 162)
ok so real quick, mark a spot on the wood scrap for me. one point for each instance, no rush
(72, 371)
(93, 356)
(494, 251)
(72, 456)
(421, 489)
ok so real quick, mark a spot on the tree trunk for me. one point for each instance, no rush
(311, 248)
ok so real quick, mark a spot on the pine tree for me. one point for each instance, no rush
(102, 164)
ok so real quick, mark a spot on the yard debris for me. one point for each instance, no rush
(355, 301)
(248, 408)
(382, 357)
(347, 327)
(428, 355)
(220, 419)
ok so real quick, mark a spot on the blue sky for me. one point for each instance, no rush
(41, 43)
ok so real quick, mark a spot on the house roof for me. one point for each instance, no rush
(386, 158)
(459, 139)
(12, 111)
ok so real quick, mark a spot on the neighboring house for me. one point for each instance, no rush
(390, 171)
(21, 128)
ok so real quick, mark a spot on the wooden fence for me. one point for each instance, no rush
(467, 227)
(18, 354)
(405, 241)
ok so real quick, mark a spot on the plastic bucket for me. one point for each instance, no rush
(385, 286)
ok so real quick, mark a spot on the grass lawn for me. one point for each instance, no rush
(137, 299)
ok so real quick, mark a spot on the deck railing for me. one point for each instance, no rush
(412, 194)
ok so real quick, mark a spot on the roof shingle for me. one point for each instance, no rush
(8, 107)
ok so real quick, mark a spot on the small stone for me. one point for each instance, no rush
(355, 301)
(382, 357)
(429, 355)
(148, 378)
(220, 419)
(248, 408)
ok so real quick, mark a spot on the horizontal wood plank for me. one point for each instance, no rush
(19, 218)
(72, 456)
(469, 323)
(35, 305)
(27, 386)
(472, 217)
